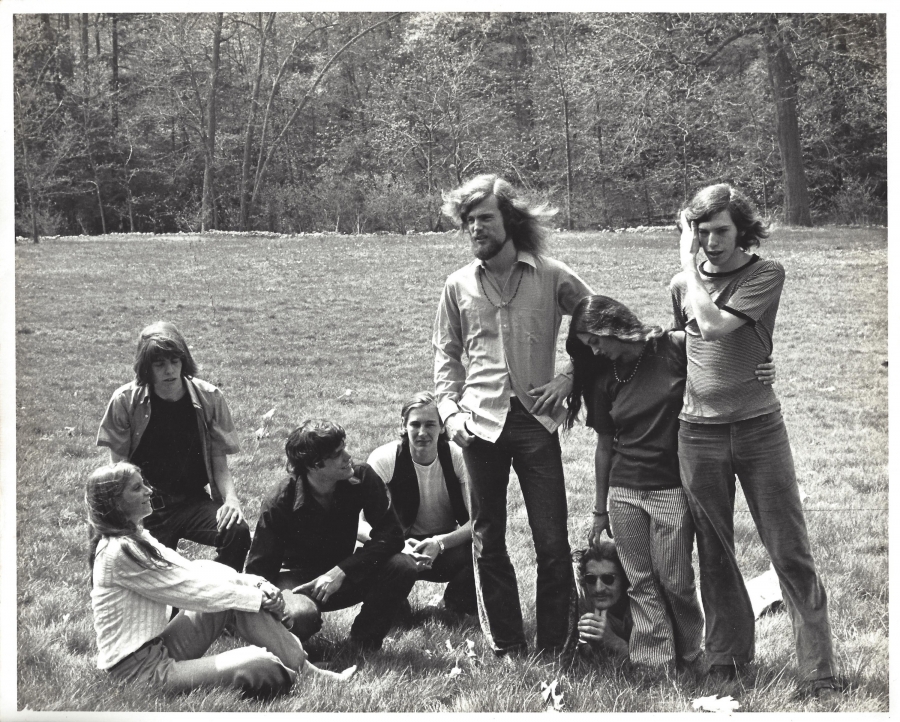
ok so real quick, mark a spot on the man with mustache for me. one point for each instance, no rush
(504, 405)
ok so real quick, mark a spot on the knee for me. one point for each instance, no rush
(305, 615)
(238, 536)
(401, 567)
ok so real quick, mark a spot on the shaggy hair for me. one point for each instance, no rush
(161, 340)
(722, 197)
(310, 444)
(601, 316)
(523, 220)
(102, 496)
(603, 550)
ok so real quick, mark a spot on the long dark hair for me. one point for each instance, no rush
(523, 219)
(102, 494)
(601, 316)
(157, 341)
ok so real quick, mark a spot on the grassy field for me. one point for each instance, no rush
(340, 327)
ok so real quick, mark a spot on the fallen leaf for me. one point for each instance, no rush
(470, 651)
(715, 703)
(70, 430)
(260, 432)
(455, 672)
(548, 692)
(449, 646)
(269, 414)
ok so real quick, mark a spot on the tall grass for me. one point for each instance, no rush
(297, 323)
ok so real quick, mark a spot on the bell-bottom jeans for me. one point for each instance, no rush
(758, 452)
(535, 455)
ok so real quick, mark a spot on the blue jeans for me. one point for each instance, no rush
(758, 452)
(536, 457)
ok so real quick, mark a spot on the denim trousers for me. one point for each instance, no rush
(654, 534)
(536, 457)
(758, 452)
(381, 590)
(195, 520)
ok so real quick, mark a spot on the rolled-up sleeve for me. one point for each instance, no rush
(223, 437)
(115, 427)
(449, 371)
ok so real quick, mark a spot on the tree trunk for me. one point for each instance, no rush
(248, 136)
(784, 89)
(114, 63)
(208, 210)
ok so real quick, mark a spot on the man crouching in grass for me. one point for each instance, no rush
(429, 486)
(306, 535)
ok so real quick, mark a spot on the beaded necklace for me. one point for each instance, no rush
(503, 304)
(633, 371)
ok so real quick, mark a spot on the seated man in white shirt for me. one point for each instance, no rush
(428, 483)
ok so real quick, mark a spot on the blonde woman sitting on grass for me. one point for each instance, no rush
(136, 581)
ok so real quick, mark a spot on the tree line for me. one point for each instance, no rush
(355, 122)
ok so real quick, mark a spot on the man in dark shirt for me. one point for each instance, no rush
(178, 430)
(306, 536)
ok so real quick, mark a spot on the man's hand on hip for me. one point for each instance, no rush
(550, 397)
(456, 429)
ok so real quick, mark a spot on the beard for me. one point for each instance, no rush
(487, 248)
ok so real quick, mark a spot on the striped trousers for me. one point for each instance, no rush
(654, 534)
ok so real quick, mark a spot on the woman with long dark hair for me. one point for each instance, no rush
(631, 376)
(135, 582)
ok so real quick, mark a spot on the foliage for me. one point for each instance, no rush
(617, 117)
(293, 322)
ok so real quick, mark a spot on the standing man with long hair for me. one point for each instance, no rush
(730, 425)
(178, 430)
(504, 405)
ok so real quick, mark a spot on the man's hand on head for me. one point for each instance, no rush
(229, 514)
(455, 426)
(550, 397)
(690, 243)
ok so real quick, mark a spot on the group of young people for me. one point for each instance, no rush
(678, 414)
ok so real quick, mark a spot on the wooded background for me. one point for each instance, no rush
(355, 122)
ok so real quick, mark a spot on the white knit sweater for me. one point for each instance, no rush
(132, 603)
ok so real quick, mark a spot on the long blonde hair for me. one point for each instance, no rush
(102, 495)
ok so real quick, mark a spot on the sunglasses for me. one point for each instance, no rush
(607, 579)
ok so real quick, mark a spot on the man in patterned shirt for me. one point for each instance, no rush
(504, 405)
(732, 425)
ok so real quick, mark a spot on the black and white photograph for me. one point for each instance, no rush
(444, 360)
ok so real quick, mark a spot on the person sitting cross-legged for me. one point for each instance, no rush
(428, 483)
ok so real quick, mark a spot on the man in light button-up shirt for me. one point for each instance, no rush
(502, 312)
